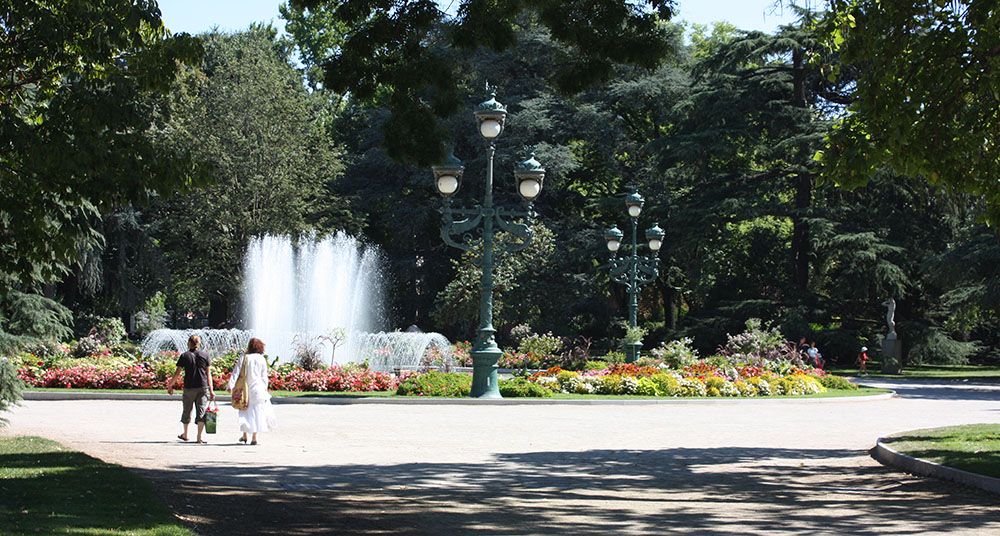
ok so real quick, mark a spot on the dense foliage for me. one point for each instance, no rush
(138, 165)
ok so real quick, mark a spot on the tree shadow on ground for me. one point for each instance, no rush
(695, 491)
(920, 390)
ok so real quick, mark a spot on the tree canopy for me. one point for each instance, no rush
(392, 54)
(927, 97)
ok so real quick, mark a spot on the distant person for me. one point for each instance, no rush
(196, 367)
(863, 361)
(258, 415)
(815, 358)
(803, 345)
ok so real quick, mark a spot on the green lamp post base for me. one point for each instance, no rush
(485, 380)
(632, 351)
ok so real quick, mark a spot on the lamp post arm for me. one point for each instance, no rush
(451, 228)
(647, 269)
(521, 231)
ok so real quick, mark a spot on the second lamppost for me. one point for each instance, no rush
(634, 271)
(459, 223)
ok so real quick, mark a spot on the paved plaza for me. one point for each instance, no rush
(714, 467)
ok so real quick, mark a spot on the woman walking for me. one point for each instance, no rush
(249, 382)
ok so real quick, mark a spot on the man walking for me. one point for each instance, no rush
(196, 367)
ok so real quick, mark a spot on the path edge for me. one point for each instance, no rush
(343, 401)
(890, 457)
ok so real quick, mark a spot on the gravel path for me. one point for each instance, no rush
(764, 467)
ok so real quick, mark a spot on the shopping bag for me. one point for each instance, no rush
(240, 396)
(211, 417)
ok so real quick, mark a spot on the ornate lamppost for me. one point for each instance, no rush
(634, 270)
(459, 223)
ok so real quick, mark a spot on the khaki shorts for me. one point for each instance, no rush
(198, 398)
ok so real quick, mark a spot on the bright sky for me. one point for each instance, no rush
(195, 16)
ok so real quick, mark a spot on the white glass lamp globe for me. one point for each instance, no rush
(447, 184)
(529, 188)
(613, 245)
(634, 211)
(489, 128)
(654, 244)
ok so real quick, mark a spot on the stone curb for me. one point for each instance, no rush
(343, 401)
(893, 458)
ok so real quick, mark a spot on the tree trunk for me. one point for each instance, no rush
(800, 230)
(218, 311)
(803, 188)
(670, 298)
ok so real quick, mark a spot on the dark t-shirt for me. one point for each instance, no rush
(195, 365)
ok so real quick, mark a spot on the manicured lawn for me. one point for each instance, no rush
(973, 447)
(48, 489)
(385, 394)
(956, 372)
(336, 394)
(830, 393)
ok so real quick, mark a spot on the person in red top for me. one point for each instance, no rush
(863, 361)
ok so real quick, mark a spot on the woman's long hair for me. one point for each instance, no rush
(256, 346)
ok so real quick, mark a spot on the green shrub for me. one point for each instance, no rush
(800, 384)
(434, 383)
(522, 388)
(110, 330)
(87, 346)
(647, 386)
(595, 365)
(836, 382)
(613, 357)
(691, 387)
(716, 386)
(744, 388)
(666, 384)
(545, 345)
(153, 315)
(676, 354)
(10, 388)
(760, 385)
(632, 334)
(609, 385)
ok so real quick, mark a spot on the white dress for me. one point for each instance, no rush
(259, 415)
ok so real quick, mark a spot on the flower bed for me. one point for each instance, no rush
(106, 371)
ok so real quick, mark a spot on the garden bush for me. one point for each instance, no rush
(691, 387)
(10, 388)
(434, 383)
(613, 357)
(799, 384)
(522, 388)
(88, 346)
(836, 382)
(109, 330)
(648, 387)
(545, 345)
(676, 354)
(667, 384)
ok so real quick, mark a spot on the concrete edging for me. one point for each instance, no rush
(893, 458)
(343, 401)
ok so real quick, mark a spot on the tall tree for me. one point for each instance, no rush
(81, 110)
(927, 96)
(248, 113)
(392, 54)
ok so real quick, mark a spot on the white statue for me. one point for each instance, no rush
(890, 314)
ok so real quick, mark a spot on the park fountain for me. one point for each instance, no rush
(318, 294)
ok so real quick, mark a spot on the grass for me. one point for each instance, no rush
(831, 393)
(972, 447)
(954, 372)
(48, 489)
